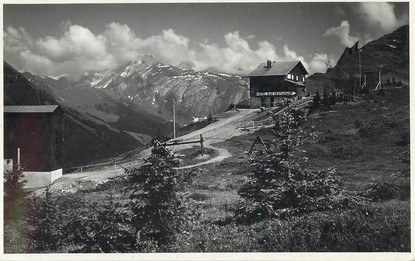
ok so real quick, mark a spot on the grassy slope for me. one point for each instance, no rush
(360, 154)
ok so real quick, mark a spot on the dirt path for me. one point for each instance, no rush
(223, 129)
(217, 132)
(223, 154)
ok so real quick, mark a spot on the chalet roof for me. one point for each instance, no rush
(277, 68)
(30, 108)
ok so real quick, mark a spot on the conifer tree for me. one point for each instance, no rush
(279, 187)
(45, 235)
(333, 98)
(155, 204)
(326, 100)
(316, 100)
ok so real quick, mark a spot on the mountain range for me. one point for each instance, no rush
(150, 87)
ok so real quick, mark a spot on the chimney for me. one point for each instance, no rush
(268, 64)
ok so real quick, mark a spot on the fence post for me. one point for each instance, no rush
(201, 144)
(81, 169)
(18, 159)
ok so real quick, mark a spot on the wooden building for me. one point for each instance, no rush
(33, 137)
(274, 82)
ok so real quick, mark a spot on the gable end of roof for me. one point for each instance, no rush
(276, 69)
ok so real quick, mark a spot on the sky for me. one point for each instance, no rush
(73, 39)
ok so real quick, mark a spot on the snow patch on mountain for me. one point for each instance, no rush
(196, 92)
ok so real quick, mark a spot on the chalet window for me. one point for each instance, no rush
(303, 79)
(289, 76)
(296, 77)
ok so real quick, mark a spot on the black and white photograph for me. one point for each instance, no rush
(248, 129)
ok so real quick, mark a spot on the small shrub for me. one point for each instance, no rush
(47, 234)
(405, 139)
(380, 190)
(396, 186)
(359, 123)
(326, 100)
(316, 100)
(363, 228)
(198, 196)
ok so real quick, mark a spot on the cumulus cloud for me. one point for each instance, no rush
(236, 57)
(291, 55)
(343, 33)
(381, 15)
(78, 50)
(320, 62)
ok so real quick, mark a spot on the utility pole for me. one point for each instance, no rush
(174, 119)
(360, 70)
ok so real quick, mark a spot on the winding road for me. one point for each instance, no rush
(223, 129)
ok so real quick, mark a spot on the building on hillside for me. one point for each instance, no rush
(274, 82)
(33, 136)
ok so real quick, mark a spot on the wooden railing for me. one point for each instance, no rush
(270, 121)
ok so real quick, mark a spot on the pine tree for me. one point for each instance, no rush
(155, 204)
(279, 187)
(326, 100)
(333, 98)
(388, 82)
(15, 202)
(316, 100)
(46, 236)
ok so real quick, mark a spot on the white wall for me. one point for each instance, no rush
(38, 179)
(54, 175)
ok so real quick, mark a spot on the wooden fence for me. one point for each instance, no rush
(270, 121)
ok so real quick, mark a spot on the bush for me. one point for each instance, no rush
(316, 100)
(68, 223)
(15, 213)
(359, 123)
(149, 222)
(326, 100)
(47, 233)
(405, 139)
(396, 186)
(367, 228)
